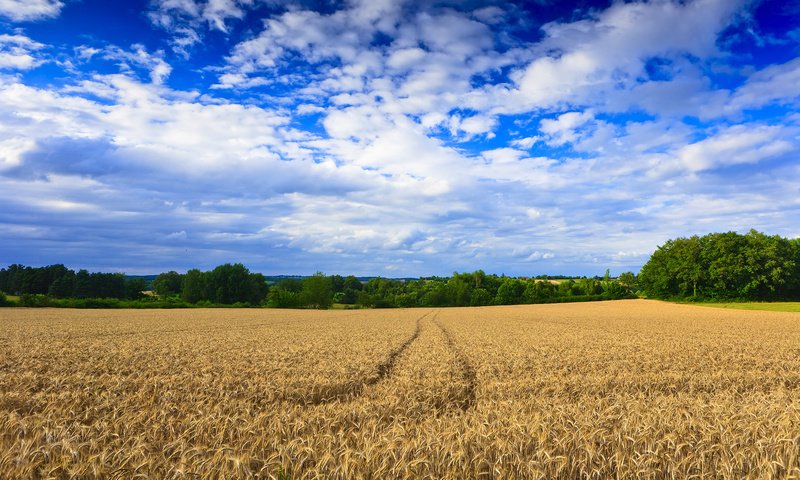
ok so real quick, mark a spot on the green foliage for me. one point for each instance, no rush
(193, 286)
(227, 284)
(35, 300)
(629, 281)
(168, 284)
(317, 291)
(4, 301)
(233, 285)
(134, 288)
(480, 297)
(510, 291)
(63, 287)
(724, 266)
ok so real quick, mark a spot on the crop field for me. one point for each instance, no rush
(626, 389)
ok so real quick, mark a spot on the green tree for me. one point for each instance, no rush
(459, 289)
(628, 280)
(723, 266)
(510, 292)
(134, 288)
(63, 287)
(279, 297)
(233, 283)
(168, 284)
(480, 297)
(83, 287)
(538, 291)
(317, 291)
(193, 288)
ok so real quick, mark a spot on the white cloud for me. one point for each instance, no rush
(526, 142)
(773, 84)
(394, 135)
(30, 10)
(11, 151)
(186, 20)
(596, 55)
(563, 129)
(736, 145)
(17, 52)
(490, 15)
(138, 57)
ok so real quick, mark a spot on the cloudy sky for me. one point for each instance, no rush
(382, 137)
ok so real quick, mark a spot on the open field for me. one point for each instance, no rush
(624, 389)
(768, 306)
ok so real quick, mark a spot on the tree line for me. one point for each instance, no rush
(58, 281)
(475, 289)
(234, 284)
(724, 266)
(716, 266)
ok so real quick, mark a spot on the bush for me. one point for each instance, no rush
(4, 302)
(35, 300)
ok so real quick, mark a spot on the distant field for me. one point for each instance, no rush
(625, 389)
(771, 306)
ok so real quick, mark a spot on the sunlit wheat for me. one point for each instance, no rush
(629, 389)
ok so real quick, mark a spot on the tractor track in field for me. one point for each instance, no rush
(351, 390)
(466, 370)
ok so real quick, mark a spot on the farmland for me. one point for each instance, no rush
(632, 388)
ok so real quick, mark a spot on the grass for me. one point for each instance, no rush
(13, 298)
(767, 306)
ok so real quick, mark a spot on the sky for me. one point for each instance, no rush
(392, 138)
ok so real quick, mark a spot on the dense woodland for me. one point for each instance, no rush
(724, 266)
(717, 266)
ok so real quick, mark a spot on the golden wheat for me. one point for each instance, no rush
(629, 389)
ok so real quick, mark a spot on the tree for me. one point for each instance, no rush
(480, 297)
(352, 283)
(233, 283)
(168, 284)
(193, 288)
(628, 280)
(770, 264)
(510, 291)
(134, 288)
(723, 266)
(83, 286)
(279, 297)
(460, 289)
(63, 287)
(317, 291)
(538, 291)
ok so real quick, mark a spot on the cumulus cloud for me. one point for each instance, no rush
(18, 52)
(564, 128)
(30, 10)
(583, 60)
(419, 137)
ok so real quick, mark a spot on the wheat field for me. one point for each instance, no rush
(626, 389)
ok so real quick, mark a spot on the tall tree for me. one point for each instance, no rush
(317, 291)
(168, 284)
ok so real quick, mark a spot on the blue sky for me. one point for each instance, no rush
(382, 137)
